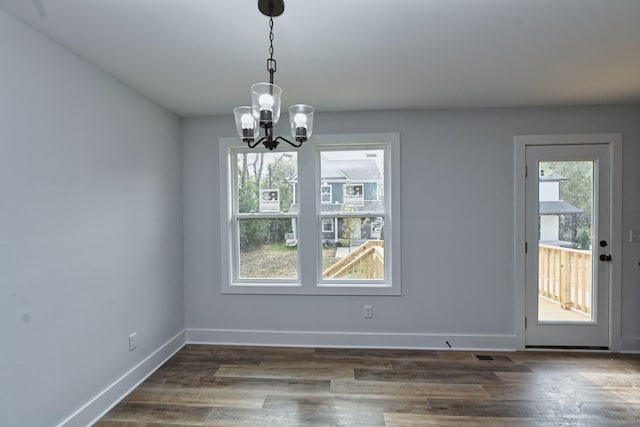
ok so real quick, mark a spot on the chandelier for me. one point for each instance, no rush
(264, 111)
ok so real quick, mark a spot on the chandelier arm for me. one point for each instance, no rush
(256, 142)
(297, 144)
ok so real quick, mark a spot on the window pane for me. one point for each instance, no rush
(565, 248)
(354, 249)
(352, 181)
(266, 181)
(268, 249)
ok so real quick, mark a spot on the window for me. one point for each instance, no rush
(325, 193)
(348, 187)
(355, 252)
(264, 216)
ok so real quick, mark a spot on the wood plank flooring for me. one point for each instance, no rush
(264, 386)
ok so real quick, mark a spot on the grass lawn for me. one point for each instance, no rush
(277, 261)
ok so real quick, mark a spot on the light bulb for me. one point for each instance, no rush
(266, 102)
(300, 120)
(247, 121)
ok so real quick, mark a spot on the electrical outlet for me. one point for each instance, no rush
(368, 311)
(634, 236)
(133, 341)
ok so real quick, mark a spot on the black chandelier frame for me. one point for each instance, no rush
(272, 8)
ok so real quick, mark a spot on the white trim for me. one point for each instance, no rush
(614, 141)
(350, 339)
(615, 298)
(519, 233)
(104, 401)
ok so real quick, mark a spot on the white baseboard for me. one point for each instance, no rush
(99, 405)
(628, 345)
(95, 408)
(351, 339)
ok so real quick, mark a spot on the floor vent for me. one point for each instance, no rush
(484, 357)
(502, 358)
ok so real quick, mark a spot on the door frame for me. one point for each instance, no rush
(614, 142)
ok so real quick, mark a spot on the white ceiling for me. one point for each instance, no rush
(199, 57)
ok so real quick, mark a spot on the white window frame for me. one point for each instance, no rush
(330, 193)
(327, 220)
(309, 220)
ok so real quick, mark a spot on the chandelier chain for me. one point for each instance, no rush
(271, 63)
(271, 37)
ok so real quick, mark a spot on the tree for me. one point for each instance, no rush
(280, 171)
(577, 189)
(258, 171)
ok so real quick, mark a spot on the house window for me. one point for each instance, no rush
(263, 215)
(325, 193)
(356, 252)
(269, 205)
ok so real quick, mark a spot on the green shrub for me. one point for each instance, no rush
(253, 234)
(584, 240)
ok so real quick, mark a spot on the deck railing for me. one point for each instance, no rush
(565, 275)
(364, 262)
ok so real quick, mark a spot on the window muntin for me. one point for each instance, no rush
(307, 223)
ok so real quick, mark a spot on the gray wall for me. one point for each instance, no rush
(90, 229)
(457, 172)
(91, 222)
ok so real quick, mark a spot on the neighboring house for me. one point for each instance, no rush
(340, 177)
(552, 209)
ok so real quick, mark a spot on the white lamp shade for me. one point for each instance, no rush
(246, 122)
(265, 102)
(301, 120)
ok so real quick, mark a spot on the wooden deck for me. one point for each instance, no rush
(226, 386)
(549, 310)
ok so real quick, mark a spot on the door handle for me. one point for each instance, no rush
(604, 257)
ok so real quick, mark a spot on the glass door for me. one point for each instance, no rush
(567, 220)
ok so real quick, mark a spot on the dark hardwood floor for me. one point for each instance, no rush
(264, 386)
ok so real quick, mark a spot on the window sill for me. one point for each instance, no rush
(320, 289)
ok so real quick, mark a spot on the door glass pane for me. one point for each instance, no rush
(566, 247)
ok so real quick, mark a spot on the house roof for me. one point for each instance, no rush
(350, 170)
(558, 207)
